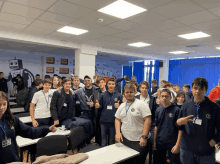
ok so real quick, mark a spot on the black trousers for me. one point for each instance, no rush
(45, 121)
(135, 145)
(160, 157)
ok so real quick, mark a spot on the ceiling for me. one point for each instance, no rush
(159, 25)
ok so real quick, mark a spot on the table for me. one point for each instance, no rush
(12, 98)
(17, 110)
(26, 119)
(26, 143)
(110, 154)
(12, 103)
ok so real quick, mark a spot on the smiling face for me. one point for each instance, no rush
(67, 85)
(144, 89)
(111, 86)
(88, 82)
(3, 106)
(180, 99)
(55, 81)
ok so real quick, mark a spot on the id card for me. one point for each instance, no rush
(77, 102)
(88, 103)
(198, 121)
(65, 104)
(6, 142)
(109, 107)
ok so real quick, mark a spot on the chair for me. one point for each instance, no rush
(77, 137)
(51, 145)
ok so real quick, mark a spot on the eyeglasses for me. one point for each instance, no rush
(165, 96)
(129, 92)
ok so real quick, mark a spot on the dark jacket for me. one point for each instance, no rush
(57, 102)
(189, 95)
(10, 153)
(154, 89)
(118, 85)
(153, 107)
(20, 85)
(195, 137)
(108, 116)
(124, 86)
(3, 85)
(32, 91)
(167, 132)
(74, 88)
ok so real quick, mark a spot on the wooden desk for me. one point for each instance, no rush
(26, 119)
(217, 156)
(17, 110)
(12, 103)
(110, 154)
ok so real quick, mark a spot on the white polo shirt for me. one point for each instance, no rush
(145, 99)
(133, 122)
(42, 110)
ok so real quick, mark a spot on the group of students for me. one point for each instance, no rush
(188, 128)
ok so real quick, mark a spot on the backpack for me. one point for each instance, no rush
(22, 97)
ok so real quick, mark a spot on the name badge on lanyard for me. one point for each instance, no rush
(197, 121)
(65, 105)
(77, 102)
(88, 99)
(7, 141)
(109, 107)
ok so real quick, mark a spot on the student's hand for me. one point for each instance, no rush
(117, 104)
(158, 101)
(143, 142)
(72, 92)
(154, 146)
(72, 75)
(175, 149)
(97, 104)
(91, 104)
(212, 143)
(125, 76)
(118, 137)
(56, 122)
(34, 123)
(53, 128)
(184, 120)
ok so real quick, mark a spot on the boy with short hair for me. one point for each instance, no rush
(76, 82)
(188, 93)
(154, 86)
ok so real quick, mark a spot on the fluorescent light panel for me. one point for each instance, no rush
(213, 56)
(178, 52)
(139, 44)
(122, 9)
(194, 35)
(217, 48)
(72, 30)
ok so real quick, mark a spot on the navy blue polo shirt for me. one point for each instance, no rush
(167, 132)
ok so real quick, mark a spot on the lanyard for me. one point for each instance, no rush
(4, 130)
(197, 106)
(145, 98)
(46, 99)
(128, 107)
(110, 98)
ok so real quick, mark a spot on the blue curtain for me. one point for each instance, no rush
(139, 71)
(156, 71)
(184, 71)
(127, 70)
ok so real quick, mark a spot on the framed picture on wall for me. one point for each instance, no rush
(74, 62)
(49, 70)
(50, 60)
(64, 61)
(73, 70)
(64, 70)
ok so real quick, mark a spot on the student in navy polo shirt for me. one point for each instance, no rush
(101, 84)
(179, 99)
(11, 127)
(199, 118)
(166, 135)
(76, 82)
(109, 102)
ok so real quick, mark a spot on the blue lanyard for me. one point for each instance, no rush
(197, 106)
(4, 130)
(110, 98)
(128, 107)
(46, 99)
(145, 98)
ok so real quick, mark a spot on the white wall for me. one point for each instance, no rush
(164, 71)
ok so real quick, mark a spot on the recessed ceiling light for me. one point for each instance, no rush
(139, 44)
(72, 30)
(178, 52)
(213, 56)
(122, 9)
(194, 35)
(217, 48)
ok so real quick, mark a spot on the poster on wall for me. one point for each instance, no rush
(74, 71)
(64, 70)
(74, 62)
(50, 60)
(64, 61)
(49, 70)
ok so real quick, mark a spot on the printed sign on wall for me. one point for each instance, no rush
(50, 60)
(64, 61)
(49, 70)
(64, 70)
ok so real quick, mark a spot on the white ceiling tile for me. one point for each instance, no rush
(142, 30)
(215, 11)
(94, 4)
(110, 38)
(106, 30)
(124, 25)
(41, 4)
(56, 18)
(11, 26)
(90, 36)
(177, 8)
(59, 35)
(15, 18)
(21, 10)
(208, 3)
(33, 33)
(125, 35)
(46, 25)
(166, 25)
(158, 35)
(69, 9)
(38, 30)
(148, 4)
(198, 17)
(207, 25)
(85, 25)
(95, 16)
(181, 30)
(146, 18)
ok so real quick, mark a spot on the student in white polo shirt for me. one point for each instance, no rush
(135, 116)
(41, 115)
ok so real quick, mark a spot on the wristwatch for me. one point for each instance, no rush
(146, 137)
